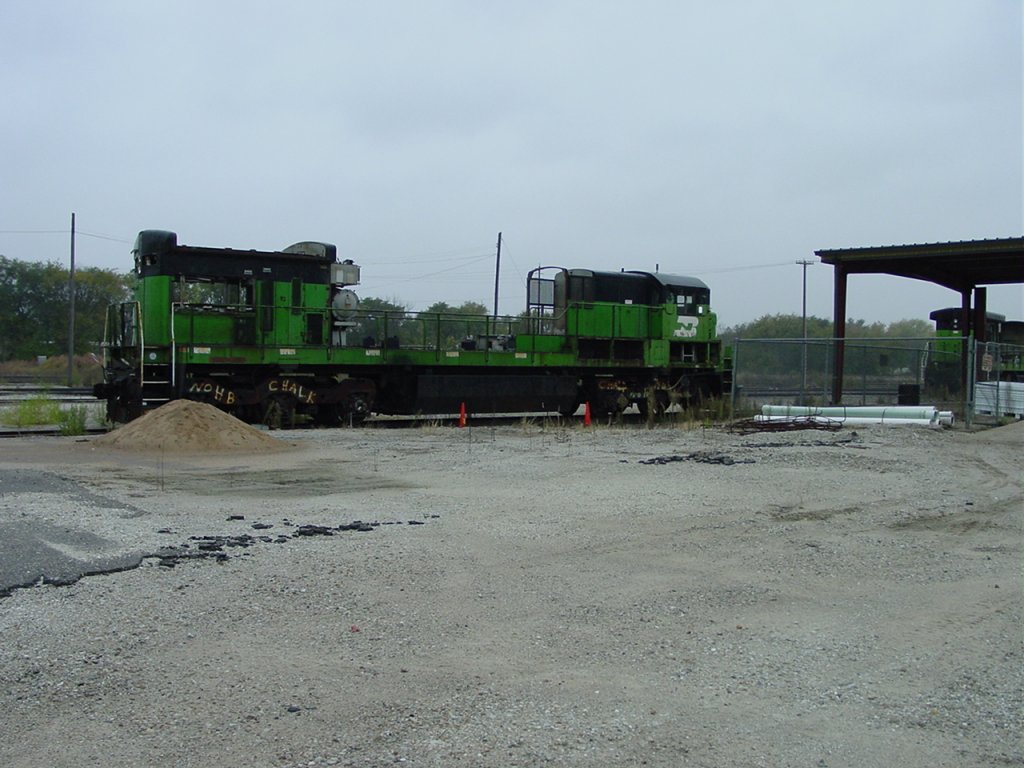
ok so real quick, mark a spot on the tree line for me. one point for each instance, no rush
(791, 327)
(872, 348)
(34, 304)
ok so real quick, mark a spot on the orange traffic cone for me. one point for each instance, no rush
(586, 414)
(462, 415)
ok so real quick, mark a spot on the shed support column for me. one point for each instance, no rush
(839, 332)
(980, 326)
(965, 334)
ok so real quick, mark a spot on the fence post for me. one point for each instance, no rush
(826, 396)
(972, 376)
(735, 373)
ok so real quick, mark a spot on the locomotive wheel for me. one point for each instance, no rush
(654, 405)
(567, 411)
(279, 413)
(355, 410)
(329, 415)
(119, 412)
(610, 406)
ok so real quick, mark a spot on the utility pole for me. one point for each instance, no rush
(71, 307)
(805, 263)
(497, 273)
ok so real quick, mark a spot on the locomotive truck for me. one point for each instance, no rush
(277, 337)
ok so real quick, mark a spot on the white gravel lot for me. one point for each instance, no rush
(530, 596)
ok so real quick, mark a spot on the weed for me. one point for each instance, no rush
(71, 421)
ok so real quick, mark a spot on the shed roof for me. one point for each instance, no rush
(957, 265)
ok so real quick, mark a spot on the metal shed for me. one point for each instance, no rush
(966, 267)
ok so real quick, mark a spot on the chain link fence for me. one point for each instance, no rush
(905, 371)
(998, 389)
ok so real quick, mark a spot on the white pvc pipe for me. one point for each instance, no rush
(851, 420)
(840, 411)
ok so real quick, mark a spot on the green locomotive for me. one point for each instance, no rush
(1004, 349)
(274, 336)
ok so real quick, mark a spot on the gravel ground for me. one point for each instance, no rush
(522, 596)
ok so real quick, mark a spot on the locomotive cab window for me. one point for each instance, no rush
(211, 293)
(691, 303)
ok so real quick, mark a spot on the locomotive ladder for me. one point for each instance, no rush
(154, 378)
(155, 381)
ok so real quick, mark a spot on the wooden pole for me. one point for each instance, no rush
(71, 306)
(497, 273)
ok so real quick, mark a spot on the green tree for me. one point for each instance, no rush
(34, 306)
(911, 329)
(454, 324)
(95, 290)
(378, 320)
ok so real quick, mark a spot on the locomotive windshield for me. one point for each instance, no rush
(692, 296)
(692, 301)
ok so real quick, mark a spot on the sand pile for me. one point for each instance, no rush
(1008, 434)
(184, 426)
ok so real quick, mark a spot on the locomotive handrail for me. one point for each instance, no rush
(208, 307)
(105, 346)
(142, 343)
(174, 349)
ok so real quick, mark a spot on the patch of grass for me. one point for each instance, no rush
(33, 412)
(42, 411)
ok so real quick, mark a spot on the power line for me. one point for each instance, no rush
(439, 271)
(35, 231)
(62, 232)
(104, 237)
(420, 259)
(742, 269)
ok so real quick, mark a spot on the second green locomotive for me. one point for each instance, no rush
(1001, 358)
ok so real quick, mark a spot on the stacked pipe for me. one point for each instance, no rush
(919, 415)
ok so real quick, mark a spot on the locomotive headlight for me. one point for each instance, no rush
(152, 355)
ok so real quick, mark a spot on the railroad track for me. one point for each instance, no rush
(44, 431)
(13, 393)
(626, 420)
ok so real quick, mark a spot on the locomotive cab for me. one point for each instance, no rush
(692, 299)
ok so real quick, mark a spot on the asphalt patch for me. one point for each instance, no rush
(699, 456)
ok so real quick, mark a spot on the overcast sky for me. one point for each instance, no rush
(725, 140)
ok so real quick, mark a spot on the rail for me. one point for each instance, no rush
(13, 393)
